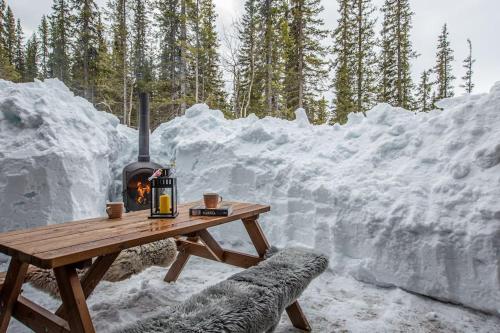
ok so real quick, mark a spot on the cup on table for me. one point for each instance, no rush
(114, 209)
(212, 200)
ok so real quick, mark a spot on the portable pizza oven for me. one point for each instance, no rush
(136, 187)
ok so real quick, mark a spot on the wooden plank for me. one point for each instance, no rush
(155, 232)
(297, 317)
(68, 228)
(37, 318)
(141, 223)
(230, 257)
(211, 244)
(10, 291)
(92, 277)
(73, 299)
(176, 268)
(256, 235)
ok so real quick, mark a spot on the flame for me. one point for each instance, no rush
(142, 192)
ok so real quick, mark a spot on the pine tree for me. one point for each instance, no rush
(443, 68)
(2, 26)
(344, 48)
(85, 50)
(141, 45)
(106, 89)
(60, 29)
(212, 86)
(395, 85)
(364, 55)
(43, 31)
(10, 35)
(306, 69)
(19, 56)
(167, 104)
(249, 95)
(424, 92)
(120, 57)
(31, 59)
(7, 71)
(468, 85)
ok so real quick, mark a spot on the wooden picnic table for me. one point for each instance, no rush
(67, 246)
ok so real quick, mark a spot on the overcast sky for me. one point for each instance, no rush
(474, 19)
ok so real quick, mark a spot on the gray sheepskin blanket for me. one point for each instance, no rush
(130, 261)
(251, 301)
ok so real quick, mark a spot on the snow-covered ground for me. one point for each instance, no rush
(332, 303)
(396, 199)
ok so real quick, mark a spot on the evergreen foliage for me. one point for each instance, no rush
(395, 83)
(443, 67)
(468, 62)
(31, 72)
(60, 30)
(424, 92)
(43, 31)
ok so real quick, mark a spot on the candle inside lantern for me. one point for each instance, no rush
(165, 204)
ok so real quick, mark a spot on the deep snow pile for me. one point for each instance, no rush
(395, 198)
(56, 155)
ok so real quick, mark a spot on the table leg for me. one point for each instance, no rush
(73, 299)
(10, 291)
(92, 277)
(294, 311)
(179, 263)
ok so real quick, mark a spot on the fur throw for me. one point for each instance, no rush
(251, 301)
(130, 261)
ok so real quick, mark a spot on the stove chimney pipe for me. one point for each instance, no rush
(143, 127)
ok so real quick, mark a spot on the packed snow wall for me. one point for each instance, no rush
(396, 198)
(57, 155)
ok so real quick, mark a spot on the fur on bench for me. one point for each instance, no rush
(130, 261)
(251, 301)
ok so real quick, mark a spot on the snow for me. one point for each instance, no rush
(332, 303)
(56, 155)
(397, 200)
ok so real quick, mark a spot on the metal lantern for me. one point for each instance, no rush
(164, 196)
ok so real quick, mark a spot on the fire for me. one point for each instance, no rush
(142, 192)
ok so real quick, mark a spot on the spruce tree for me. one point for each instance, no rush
(343, 50)
(19, 56)
(306, 68)
(468, 85)
(212, 86)
(85, 48)
(2, 26)
(395, 83)
(106, 90)
(60, 30)
(10, 35)
(31, 72)
(248, 34)
(120, 57)
(443, 68)
(424, 92)
(43, 31)
(7, 71)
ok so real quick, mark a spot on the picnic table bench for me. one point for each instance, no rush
(71, 245)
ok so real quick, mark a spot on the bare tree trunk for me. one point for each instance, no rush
(197, 61)
(183, 57)
(131, 103)
(300, 46)
(269, 59)
(124, 48)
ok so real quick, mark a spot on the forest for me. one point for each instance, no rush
(278, 56)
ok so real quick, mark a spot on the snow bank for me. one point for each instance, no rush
(57, 154)
(396, 199)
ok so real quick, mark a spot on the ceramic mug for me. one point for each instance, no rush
(114, 209)
(212, 200)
